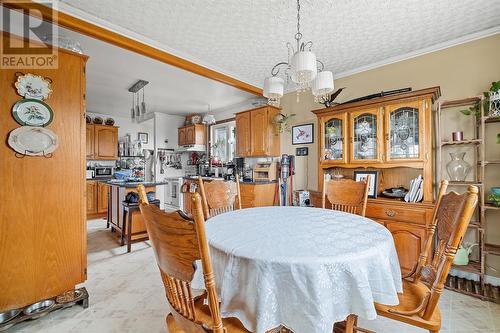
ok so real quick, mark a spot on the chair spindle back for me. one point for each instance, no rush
(177, 242)
(451, 219)
(346, 195)
(219, 196)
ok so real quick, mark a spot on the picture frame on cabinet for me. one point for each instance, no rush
(143, 137)
(303, 134)
(372, 188)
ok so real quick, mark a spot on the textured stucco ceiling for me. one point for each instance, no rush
(245, 38)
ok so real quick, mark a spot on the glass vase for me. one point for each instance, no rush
(458, 168)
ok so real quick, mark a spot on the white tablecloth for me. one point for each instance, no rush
(304, 268)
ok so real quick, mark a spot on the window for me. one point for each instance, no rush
(222, 141)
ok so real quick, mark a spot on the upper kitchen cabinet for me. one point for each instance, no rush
(256, 133)
(192, 135)
(102, 142)
(90, 141)
(243, 145)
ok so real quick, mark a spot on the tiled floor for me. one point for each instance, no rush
(126, 295)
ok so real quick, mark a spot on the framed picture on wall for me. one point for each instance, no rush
(143, 137)
(362, 175)
(303, 134)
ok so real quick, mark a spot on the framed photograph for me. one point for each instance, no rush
(302, 134)
(143, 137)
(362, 175)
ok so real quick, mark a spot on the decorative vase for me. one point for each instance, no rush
(458, 168)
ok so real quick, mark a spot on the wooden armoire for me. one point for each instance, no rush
(43, 245)
(393, 136)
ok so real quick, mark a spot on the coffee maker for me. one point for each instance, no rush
(239, 165)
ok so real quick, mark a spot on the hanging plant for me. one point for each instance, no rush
(475, 110)
(283, 122)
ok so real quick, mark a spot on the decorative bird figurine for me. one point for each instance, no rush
(329, 102)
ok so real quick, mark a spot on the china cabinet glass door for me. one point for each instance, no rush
(403, 128)
(366, 134)
(334, 130)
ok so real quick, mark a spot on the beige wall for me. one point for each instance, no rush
(461, 71)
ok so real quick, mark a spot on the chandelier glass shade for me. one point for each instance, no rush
(302, 68)
(273, 89)
(323, 84)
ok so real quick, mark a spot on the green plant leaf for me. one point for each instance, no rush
(466, 112)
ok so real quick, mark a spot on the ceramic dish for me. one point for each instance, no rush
(9, 315)
(394, 194)
(33, 141)
(32, 112)
(39, 309)
(33, 86)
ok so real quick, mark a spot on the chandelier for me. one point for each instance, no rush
(302, 68)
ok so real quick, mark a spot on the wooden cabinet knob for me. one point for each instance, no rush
(390, 213)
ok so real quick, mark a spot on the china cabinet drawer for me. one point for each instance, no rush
(404, 214)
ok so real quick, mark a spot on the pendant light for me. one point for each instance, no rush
(302, 68)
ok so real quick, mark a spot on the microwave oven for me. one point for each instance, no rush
(103, 172)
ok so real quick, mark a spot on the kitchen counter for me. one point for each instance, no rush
(253, 194)
(242, 182)
(133, 184)
(260, 182)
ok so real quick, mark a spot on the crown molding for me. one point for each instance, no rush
(434, 48)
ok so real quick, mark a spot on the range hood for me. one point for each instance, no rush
(201, 148)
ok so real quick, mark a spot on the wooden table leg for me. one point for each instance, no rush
(122, 236)
(108, 215)
(129, 230)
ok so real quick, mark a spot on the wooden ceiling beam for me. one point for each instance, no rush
(94, 31)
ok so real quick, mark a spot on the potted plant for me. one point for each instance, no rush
(474, 110)
(494, 197)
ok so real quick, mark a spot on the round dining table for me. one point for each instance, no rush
(299, 267)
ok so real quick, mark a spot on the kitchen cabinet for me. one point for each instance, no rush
(256, 133)
(243, 145)
(91, 193)
(192, 135)
(257, 194)
(89, 141)
(97, 199)
(105, 142)
(101, 142)
(182, 136)
(102, 197)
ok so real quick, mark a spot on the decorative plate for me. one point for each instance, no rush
(33, 141)
(33, 86)
(32, 112)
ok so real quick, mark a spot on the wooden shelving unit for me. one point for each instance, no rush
(478, 142)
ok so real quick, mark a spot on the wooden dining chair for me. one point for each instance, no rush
(346, 195)
(219, 196)
(418, 305)
(178, 241)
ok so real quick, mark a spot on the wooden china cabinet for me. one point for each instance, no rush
(391, 135)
